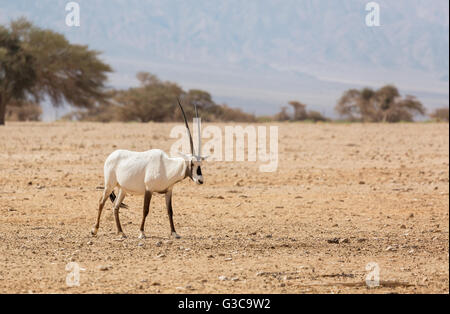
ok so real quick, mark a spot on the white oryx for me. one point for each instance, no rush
(146, 173)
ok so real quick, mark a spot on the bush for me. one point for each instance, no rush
(440, 114)
(300, 113)
(382, 105)
(316, 116)
(23, 111)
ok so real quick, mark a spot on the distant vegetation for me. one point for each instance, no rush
(382, 105)
(155, 100)
(440, 115)
(38, 64)
(23, 111)
(300, 113)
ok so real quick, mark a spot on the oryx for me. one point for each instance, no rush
(146, 173)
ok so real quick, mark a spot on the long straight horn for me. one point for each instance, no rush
(187, 128)
(199, 129)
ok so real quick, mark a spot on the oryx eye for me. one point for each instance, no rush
(199, 171)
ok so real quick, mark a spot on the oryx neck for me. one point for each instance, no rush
(188, 173)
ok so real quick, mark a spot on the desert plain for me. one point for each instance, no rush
(346, 200)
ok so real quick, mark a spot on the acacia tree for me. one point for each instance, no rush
(17, 73)
(300, 113)
(154, 100)
(382, 105)
(38, 64)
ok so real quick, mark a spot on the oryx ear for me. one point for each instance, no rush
(184, 156)
(204, 158)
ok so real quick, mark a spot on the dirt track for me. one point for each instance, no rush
(343, 196)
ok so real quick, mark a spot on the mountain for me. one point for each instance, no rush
(258, 54)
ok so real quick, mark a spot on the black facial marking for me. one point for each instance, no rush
(199, 171)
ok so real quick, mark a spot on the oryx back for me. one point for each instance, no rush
(136, 172)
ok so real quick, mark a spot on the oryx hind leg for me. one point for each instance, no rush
(119, 200)
(106, 192)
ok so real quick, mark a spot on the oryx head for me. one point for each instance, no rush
(194, 160)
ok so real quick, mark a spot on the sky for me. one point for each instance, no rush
(259, 54)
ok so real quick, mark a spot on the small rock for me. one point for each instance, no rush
(345, 240)
(61, 239)
(390, 249)
(141, 244)
(90, 243)
(228, 259)
(333, 241)
(223, 278)
(362, 182)
(161, 255)
(411, 216)
(104, 267)
(402, 227)
(158, 244)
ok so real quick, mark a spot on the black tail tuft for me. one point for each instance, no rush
(112, 197)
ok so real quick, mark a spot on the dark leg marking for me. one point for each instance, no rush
(170, 213)
(112, 197)
(147, 199)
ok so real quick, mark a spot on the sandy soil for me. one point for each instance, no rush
(343, 196)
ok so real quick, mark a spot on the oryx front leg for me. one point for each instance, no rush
(119, 200)
(170, 214)
(147, 199)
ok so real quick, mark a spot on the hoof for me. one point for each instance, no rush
(94, 232)
(175, 235)
(121, 236)
(142, 236)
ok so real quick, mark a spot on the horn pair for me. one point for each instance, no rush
(191, 142)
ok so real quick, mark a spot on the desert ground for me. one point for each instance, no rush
(344, 196)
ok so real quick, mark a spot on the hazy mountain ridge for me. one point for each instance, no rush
(321, 38)
(284, 32)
